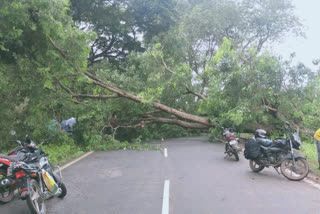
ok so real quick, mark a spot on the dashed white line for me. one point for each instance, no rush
(165, 202)
(165, 151)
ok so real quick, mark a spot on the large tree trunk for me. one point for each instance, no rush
(194, 118)
(198, 122)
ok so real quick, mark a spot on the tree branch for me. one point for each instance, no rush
(165, 66)
(178, 122)
(204, 121)
(156, 105)
(65, 56)
(95, 96)
(150, 112)
(195, 93)
(68, 90)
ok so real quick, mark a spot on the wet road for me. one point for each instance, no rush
(199, 181)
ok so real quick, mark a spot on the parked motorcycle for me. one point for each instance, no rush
(231, 146)
(34, 178)
(18, 153)
(278, 153)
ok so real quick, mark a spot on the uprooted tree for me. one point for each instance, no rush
(193, 67)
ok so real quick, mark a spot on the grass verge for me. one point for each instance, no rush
(309, 150)
(60, 154)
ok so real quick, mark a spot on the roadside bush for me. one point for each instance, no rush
(109, 143)
(309, 150)
(62, 152)
(214, 133)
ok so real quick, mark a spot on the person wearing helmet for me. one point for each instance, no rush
(317, 139)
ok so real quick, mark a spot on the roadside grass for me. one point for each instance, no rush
(245, 135)
(60, 154)
(309, 150)
(109, 143)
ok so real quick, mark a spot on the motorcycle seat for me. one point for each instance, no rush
(11, 158)
(264, 142)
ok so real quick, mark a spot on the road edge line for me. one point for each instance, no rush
(75, 161)
(310, 182)
(165, 199)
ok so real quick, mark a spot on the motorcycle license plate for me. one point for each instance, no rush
(233, 142)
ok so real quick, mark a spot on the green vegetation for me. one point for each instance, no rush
(109, 143)
(309, 150)
(60, 154)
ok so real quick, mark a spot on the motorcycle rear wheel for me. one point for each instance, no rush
(35, 200)
(6, 195)
(255, 167)
(236, 155)
(295, 172)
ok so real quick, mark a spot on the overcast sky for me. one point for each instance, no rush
(306, 49)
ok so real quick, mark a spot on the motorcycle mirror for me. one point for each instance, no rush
(13, 132)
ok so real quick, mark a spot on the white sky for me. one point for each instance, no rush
(306, 49)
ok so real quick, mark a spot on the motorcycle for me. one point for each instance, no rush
(231, 146)
(34, 178)
(16, 154)
(277, 153)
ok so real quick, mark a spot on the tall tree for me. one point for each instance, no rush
(249, 24)
(122, 26)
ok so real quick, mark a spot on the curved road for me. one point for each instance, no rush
(199, 181)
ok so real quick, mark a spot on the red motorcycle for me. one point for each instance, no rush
(231, 148)
(17, 154)
(32, 175)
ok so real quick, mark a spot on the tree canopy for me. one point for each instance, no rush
(157, 65)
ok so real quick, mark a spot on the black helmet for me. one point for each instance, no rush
(260, 133)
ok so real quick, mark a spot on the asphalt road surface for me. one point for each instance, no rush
(190, 177)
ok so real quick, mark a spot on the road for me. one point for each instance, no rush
(197, 179)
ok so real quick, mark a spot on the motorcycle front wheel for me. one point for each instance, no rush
(255, 167)
(63, 190)
(35, 200)
(6, 194)
(295, 172)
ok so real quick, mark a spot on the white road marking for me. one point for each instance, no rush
(165, 202)
(74, 161)
(165, 152)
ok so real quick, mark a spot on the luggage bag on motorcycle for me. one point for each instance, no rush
(252, 150)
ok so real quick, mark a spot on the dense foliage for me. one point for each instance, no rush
(159, 68)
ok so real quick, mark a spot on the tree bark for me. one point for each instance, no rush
(180, 114)
(180, 123)
(202, 122)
